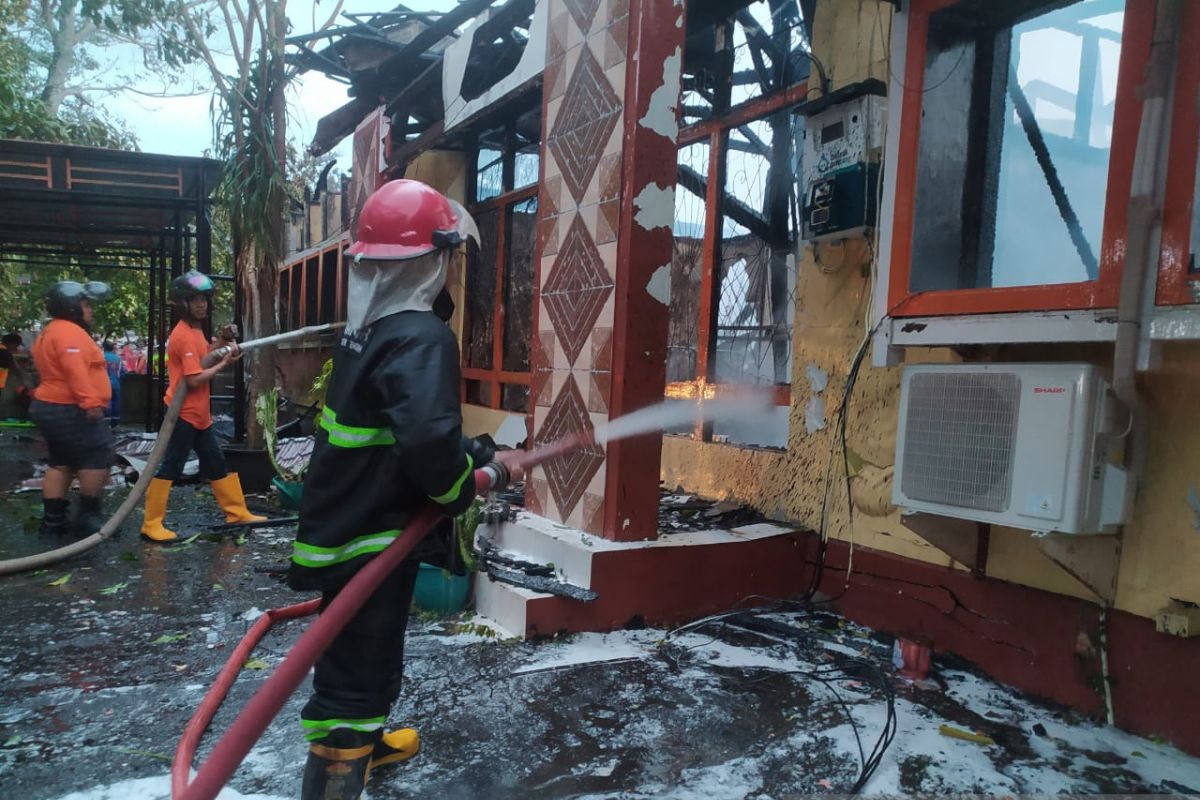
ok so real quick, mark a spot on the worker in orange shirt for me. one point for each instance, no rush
(69, 405)
(191, 297)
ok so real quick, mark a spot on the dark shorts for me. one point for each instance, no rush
(184, 439)
(74, 441)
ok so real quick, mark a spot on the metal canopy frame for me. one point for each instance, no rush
(85, 208)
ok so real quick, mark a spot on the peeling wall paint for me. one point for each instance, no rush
(659, 286)
(818, 378)
(655, 206)
(814, 414)
(661, 114)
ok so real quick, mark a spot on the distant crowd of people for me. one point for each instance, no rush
(123, 355)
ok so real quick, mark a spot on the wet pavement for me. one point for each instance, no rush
(99, 674)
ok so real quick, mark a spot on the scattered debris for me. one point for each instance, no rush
(540, 583)
(679, 512)
(966, 736)
(492, 555)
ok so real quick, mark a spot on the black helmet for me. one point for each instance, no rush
(63, 298)
(190, 284)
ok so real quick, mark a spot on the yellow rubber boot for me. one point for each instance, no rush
(228, 492)
(156, 509)
(396, 746)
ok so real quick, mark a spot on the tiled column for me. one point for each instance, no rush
(604, 251)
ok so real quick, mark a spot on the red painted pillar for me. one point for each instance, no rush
(606, 206)
(644, 249)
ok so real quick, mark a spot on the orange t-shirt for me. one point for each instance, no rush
(71, 367)
(185, 347)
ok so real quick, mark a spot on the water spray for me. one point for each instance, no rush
(252, 721)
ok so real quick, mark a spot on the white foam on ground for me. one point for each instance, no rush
(156, 788)
(592, 648)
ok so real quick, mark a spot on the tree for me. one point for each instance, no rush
(75, 31)
(23, 286)
(23, 113)
(251, 134)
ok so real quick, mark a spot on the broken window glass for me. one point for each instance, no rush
(756, 258)
(526, 168)
(489, 175)
(687, 262)
(520, 232)
(1015, 139)
(481, 293)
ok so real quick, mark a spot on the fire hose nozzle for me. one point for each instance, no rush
(495, 474)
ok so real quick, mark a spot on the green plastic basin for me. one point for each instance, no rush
(438, 590)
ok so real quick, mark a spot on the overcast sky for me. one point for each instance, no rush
(183, 125)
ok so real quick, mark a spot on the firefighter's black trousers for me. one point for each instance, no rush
(357, 679)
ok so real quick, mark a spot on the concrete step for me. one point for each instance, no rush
(676, 577)
(503, 605)
(538, 540)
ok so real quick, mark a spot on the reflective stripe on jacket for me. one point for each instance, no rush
(389, 440)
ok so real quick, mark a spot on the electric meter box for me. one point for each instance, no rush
(840, 168)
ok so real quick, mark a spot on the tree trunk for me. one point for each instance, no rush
(63, 39)
(259, 277)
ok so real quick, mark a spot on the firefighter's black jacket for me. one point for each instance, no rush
(389, 441)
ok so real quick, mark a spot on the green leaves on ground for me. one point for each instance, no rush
(116, 587)
(256, 663)
(168, 638)
(61, 581)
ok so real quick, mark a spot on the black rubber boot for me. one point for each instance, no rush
(54, 517)
(91, 519)
(335, 773)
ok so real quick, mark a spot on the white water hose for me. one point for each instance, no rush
(14, 565)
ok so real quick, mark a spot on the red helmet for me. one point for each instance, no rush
(405, 219)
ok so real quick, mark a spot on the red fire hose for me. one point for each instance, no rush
(262, 708)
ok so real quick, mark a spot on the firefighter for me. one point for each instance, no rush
(69, 404)
(390, 441)
(191, 296)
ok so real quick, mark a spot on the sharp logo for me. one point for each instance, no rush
(1049, 390)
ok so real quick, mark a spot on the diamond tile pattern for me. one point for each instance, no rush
(569, 475)
(576, 290)
(584, 11)
(590, 110)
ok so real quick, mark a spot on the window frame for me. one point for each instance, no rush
(1100, 293)
(715, 130)
(496, 377)
(1175, 280)
(297, 272)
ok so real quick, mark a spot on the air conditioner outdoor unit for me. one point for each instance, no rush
(1023, 445)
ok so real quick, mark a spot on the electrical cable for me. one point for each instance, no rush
(854, 667)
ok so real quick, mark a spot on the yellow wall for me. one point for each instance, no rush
(1161, 548)
(446, 171)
